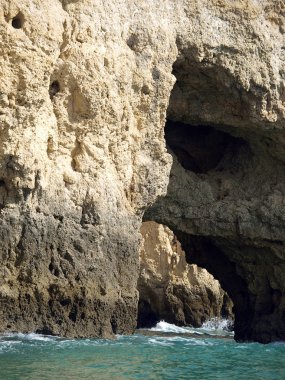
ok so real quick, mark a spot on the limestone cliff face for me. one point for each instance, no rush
(172, 290)
(85, 87)
(84, 90)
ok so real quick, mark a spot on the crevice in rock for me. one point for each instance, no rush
(54, 88)
(53, 268)
(73, 313)
(114, 324)
(76, 152)
(50, 147)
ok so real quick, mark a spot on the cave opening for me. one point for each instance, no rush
(173, 290)
(201, 148)
(147, 317)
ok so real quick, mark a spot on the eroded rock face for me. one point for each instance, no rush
(84, 91)
(172, 290)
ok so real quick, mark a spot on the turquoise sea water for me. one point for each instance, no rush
(155, 356)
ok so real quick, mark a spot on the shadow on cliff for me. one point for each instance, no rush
(225, 183)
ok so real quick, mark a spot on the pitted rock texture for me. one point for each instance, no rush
(85, 88)
(172, 290)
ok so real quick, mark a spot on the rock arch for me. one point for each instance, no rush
(225, 194)
(171, 289)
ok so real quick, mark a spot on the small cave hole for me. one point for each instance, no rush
(18, 21)
(114, 324)
(44, 331)
(73, 314)
(65, 302)
(54, 88)
(53, 269)
(200, 148)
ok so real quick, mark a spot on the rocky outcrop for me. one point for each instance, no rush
(85, 87)
(172, 290)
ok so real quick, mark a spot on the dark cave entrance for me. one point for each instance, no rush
(200, 148)
(147, 317)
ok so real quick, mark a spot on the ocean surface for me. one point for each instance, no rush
(163, 352)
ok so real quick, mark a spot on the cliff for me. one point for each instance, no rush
(172, 290)
(86, 87)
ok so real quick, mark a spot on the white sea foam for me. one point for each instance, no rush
(160, 342)
(218, 324)
(198, 342)
(29, 336)
(171, 341)
(163, 326)
(214, 326)
(7, 345)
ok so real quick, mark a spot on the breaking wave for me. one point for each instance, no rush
(214, 326)
(218, 324)
(163, 326)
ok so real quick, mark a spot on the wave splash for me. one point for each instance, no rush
(214, 326)
(166, 327)
(218, 324)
